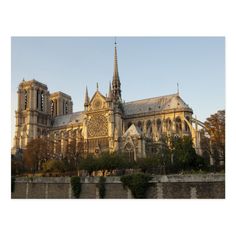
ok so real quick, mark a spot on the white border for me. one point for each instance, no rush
(120, 18)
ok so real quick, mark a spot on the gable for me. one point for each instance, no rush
(97, 102)
(132, 131)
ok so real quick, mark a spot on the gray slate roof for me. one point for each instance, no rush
(73, 118)
(157, 104)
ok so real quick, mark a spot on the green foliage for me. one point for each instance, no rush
(137, 183)
(105, 162)
(101, 187)
(76, 186)
(13, 180)
(89, 164)
(55, 166)
(149, 164)
(183, 152)
(184, 155)
(174, 155)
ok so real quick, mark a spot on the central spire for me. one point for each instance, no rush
(116, 80)
(116, 73)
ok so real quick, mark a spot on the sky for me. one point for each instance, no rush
(148, 67)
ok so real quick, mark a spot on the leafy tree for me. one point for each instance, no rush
(37, 152)
(106, 162)
(215, 127)
(89, 164)
(183, 152)
(55, 166)
(149, 164)
(72, 156)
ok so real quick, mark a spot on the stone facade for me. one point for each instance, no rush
(106, 124)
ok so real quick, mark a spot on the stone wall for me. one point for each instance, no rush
(166, 187)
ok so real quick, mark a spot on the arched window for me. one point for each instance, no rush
(159, 126)
(140, 125)
(42, 101)
(129, 150)
(25, 99)
(168, 124)
(186, 125)
(52, 108)
(178, 125)
(149, 127)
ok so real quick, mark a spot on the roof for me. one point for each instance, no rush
(30, 82)
(157, 104)
(58, 93)
(74, 118)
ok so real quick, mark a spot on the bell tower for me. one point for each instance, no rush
(33, 112)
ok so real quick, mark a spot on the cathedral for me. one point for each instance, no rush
(107, 123)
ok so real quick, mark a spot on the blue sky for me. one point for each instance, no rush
(148, 67)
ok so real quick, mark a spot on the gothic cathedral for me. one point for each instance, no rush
(106, 123)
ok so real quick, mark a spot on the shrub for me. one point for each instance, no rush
(137, 183)
(13, 180)
(76, 186)
(101, 187)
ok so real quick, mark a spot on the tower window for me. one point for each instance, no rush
(42, 101)
(66, 107)
(37, 99)
(25, 99)
(52, 108)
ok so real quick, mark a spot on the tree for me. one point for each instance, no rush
(37, 152)
(89, 164)
(183, 152)
(215, 127)
(55, 166)
(106, 162)
(149, 164)
(184, 155)
(72, 156)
